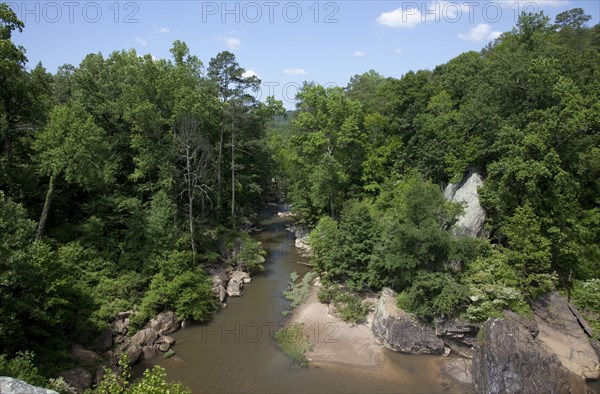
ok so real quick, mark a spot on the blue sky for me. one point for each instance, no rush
(283, 42)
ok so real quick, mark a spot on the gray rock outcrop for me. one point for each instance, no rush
(83, 356)
(164, 323)
(219, 283)
(398, 331)
(147, 336)
(236, 283)
(472, 220)
(16, 386)
(302, 234)
(78, 378)
(459, 335)
(562, 333)
(510, 360)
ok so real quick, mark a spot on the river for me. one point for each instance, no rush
(235, 352)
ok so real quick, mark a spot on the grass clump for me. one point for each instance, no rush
(294, 343)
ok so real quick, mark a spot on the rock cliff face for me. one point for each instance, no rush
(562, 334)
(472, 220)
(15, 386)
(510, 360)
(398, 331)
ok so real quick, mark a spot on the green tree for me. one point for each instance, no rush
(71, 146)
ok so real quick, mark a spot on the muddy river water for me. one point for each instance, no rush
(235, 351)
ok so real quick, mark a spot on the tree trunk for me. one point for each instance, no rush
(232, 175)
(191, 224)
(219, 169)
(46, 209)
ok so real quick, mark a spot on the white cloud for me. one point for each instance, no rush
(398, 51)
(250, 73)
(359, 53)
(480, 32)
(294, 71)
(412, 13)
(141, 41)
(232, 43)
(407, 18)
(164, 30)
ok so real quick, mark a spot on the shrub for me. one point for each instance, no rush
(294, 343)
(299, 292)
(494, 285)
(586, 296)
(433, 294)
(351, 308)
(154, 381)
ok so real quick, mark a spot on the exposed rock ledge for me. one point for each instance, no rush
(509, 360)
(15, 386)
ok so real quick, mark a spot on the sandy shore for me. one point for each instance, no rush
(335, 341)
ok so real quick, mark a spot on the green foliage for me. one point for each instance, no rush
(416, 235)
(185, 290)
(21, 367)
(245, 252)
(154, 381)
(294, 343)
(350, 307)
(494, 286)
(328, 292)
(433, 294)
(342, 252)
(586, 296)
(297, 293)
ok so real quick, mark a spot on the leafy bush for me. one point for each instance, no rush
(586, 296)
(242, 251)
(351, 308)
(343, 251)
(327, 293)
(21, 367)
(178, 286)
(154, 381)
(433, 294)
(298, 292)
(494, 285)
(293, 342)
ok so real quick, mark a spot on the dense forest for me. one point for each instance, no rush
(367, 165)
(123, 179)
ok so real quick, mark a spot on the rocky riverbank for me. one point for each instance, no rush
(337, 343)
(548, 352)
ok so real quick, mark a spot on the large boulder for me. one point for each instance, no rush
(562, 334)
(146, 336)
(302, 234)
(510, 360)
(219, 283)
(78, 378)
(400, 332)
(15, 386)
(164, 323)
(466, 192)
(86, 358)
(458, 334)
(236, 283)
